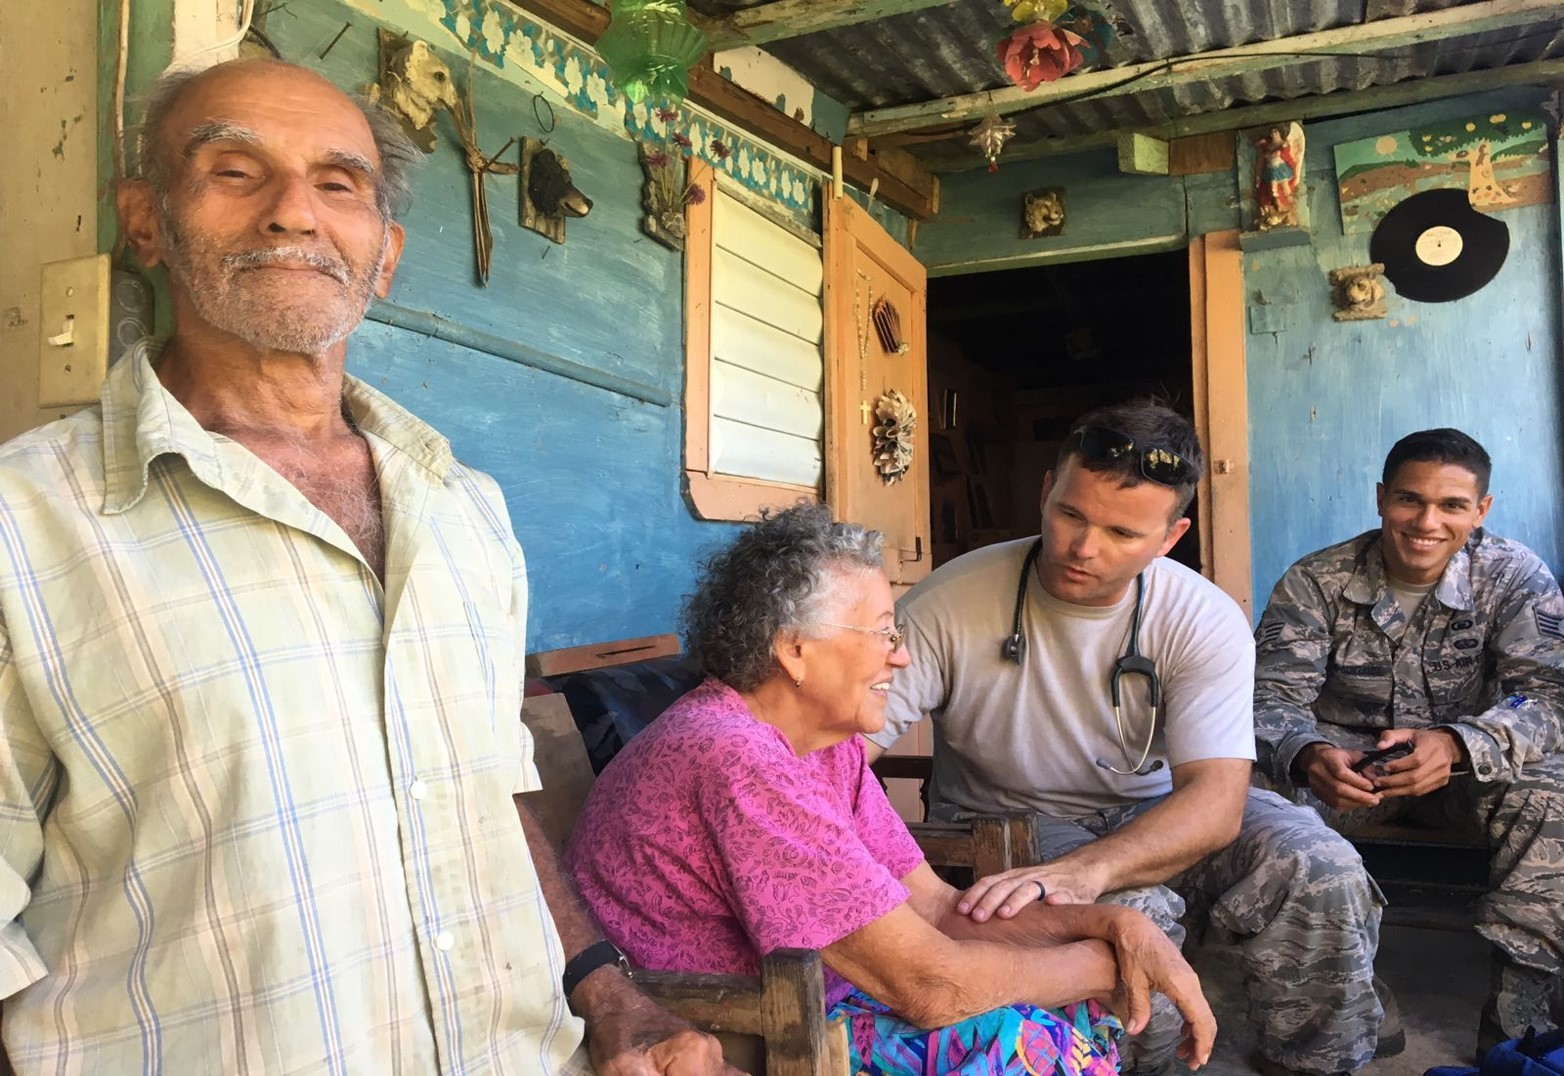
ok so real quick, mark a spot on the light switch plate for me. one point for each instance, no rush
(73, 310)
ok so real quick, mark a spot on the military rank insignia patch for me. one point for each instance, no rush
(1550, 624)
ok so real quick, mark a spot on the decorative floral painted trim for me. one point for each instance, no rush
(507, 40)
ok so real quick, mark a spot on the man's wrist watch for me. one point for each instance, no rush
(588, 960)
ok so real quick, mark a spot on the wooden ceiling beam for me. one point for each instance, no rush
(910, 189)
(782, 19)
(1341, 103)
(1358, 40)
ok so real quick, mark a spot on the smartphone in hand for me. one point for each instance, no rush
(1384, 754)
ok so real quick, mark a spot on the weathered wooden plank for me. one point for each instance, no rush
(728, 101)
(1197, 155)
(1142, 154)
(783, 19)
(601, 655)
(713, 1002)
(1363, 39)
(792, 1013)
(1411, 92)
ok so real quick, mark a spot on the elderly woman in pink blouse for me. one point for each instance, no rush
(745, 819)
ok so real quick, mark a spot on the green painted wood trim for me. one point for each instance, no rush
(420, 321)
(1411, 92)
(1157, 244)
(1358, 40)
(783, 19)
(151, 50)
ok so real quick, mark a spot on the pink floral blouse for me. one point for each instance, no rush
(707, 842)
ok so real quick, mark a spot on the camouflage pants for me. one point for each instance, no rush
(1522, 914)
(1306, 919)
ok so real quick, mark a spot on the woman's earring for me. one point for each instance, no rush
(798, 681)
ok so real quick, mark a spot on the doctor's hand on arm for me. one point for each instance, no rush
(628, 1034)
(1200, 815)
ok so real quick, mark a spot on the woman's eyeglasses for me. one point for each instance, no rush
(894, 636)
(1099, 444)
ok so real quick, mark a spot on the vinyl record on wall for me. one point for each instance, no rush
(1435, 247)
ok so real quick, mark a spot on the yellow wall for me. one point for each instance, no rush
(48, 178)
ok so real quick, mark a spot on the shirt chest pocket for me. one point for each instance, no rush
(1453, 667)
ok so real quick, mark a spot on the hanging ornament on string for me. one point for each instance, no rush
(1037, 10)
(991, 134)
(649, 47)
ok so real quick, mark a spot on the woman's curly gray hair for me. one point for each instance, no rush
(778, 575)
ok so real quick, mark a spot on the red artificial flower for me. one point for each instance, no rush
(1039, 53)
(657, 159)
(719, 150)
(667, 115)
(682, 141)
(694, 194)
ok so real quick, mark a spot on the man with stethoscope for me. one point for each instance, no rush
(1086, 678)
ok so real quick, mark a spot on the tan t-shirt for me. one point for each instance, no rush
(1028, 737)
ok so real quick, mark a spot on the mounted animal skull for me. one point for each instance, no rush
(414, 86)
(547, 194)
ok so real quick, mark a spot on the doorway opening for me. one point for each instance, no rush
(1015, 356)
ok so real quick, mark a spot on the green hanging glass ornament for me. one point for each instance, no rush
(650, 47)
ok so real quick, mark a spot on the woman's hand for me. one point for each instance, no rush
(1149, 961)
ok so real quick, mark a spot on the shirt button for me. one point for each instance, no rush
(1485, 769)
(418, 790)
(444, 940)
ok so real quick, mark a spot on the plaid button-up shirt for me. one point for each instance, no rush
(255, 808)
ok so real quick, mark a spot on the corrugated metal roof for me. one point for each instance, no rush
(949, 50)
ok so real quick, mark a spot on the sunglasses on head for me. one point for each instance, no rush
(1099, 444)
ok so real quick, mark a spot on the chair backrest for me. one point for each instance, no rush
(773, 1025)
(562, 765)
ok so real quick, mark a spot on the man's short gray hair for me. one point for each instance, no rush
(779, 574)
(154, 162)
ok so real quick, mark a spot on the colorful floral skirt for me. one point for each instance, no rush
(1022, 1040)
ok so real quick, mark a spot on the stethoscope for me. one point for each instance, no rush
(1131, 662)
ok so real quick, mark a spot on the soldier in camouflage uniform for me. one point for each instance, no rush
(1432, 633)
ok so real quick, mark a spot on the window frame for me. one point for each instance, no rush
(716, 496)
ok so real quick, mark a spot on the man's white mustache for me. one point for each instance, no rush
(259, 259)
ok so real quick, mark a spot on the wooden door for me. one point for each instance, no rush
(1217, 305)
(863, 265)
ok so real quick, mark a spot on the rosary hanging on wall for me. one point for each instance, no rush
(896, 420)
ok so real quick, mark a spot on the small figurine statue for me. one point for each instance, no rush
(1357, 292)
(1278, 176)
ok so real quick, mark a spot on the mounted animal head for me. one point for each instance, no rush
(416, 84)
(550, 189)
(1042, 211)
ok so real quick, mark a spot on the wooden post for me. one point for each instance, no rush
(792, 1013)
(990, 846)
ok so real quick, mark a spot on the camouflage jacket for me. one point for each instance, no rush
(1337, 660)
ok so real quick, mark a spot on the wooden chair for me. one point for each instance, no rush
(772, 1024)
(988, 844)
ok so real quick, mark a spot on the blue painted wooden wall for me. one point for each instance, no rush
(592, 478)
(1326, 399)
